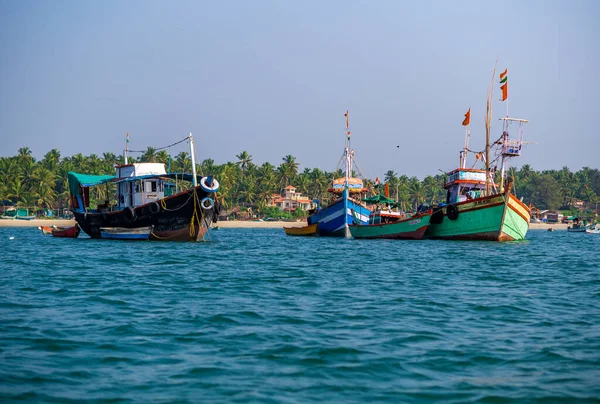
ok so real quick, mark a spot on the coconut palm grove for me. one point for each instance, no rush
(41, 186)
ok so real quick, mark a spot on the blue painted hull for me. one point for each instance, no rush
(125, 236)
(332, 221)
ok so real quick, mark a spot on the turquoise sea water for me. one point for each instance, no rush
(255, 316)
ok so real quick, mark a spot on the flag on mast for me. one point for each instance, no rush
(467, 120)
(504, 86)
(346, 115)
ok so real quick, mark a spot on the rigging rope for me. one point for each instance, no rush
(160, 148)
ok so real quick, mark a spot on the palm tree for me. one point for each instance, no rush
(244, 159)
(183, 163)
(149, 155)
(51, 160)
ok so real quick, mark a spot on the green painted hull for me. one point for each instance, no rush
(409, 229)
(496, 218)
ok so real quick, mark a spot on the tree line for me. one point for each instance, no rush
(42, 185)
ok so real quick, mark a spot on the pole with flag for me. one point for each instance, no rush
(467, 123)
(504, 88)
(126, 146)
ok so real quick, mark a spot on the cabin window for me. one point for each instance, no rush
(137, 187)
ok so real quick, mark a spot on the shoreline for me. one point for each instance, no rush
(230, 224)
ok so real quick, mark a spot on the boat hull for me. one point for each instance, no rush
(500, 217)
(120, 233)
(66, 232)
(179, 217)
(310, 230)
(408, 229)
(334, 219)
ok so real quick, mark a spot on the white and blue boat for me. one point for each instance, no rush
(123, 233)
(346, 207)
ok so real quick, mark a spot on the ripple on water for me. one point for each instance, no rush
(256, 316)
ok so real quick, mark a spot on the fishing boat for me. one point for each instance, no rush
(476, 206)
(579, 226)
(593, 229)
(393, 225)
(309, 230)
(346, 207)
(145, 197)
(124, 233)
(66, 231)
(46, 229)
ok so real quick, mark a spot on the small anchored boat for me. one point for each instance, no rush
(66, 231)
(310, 230)
(46, 229)
(123, 233)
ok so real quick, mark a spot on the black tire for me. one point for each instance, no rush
(437, 217)
(452, 212)
(154, 208)
(129, 214)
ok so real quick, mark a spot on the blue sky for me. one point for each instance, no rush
(275, 77)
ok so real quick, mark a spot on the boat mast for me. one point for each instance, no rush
(126, 146)
(194, 180)
(345, 193)
(467, 123)
(488, 126)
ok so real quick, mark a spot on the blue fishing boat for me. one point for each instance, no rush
(346, 207)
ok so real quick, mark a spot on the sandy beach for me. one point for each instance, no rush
(246, 224)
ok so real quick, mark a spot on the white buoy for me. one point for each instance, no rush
(11, 238)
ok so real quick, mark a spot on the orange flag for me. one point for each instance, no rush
(387, 190)
(504, 89)
(467, 118)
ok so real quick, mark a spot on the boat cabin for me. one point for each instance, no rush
(138, 184)
(387, 216)
(464, 184)
(355, 186)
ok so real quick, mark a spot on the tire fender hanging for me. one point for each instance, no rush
(210, 188)
(452, 212)
(207, 203)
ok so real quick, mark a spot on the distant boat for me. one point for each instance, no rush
(144, 198)
(309, 230)
(579, 226)
(46, 229)
(66, 231)
(476, 207)
(393, 225)
(123, 233)
(346, 207)
(593, 230)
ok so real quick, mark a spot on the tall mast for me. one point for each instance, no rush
(194, 180)
(126, 146)
(467, 123)
(488, 127)
(345, 192)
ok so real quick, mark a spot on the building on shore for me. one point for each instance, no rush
(291, 200)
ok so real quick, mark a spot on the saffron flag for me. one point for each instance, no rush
(377, 182)
(127, 138)
(467, 118)
(503, 77)
(346, 115)
(387, 190)
(504, 89)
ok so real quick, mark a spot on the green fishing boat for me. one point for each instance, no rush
(393, 225)
(479, 203)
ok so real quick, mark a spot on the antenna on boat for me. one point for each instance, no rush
(126, 146)
(194, 180)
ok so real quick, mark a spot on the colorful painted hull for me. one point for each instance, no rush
(408, 229)
(310, 230)
(334, 219)
(500, 217)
